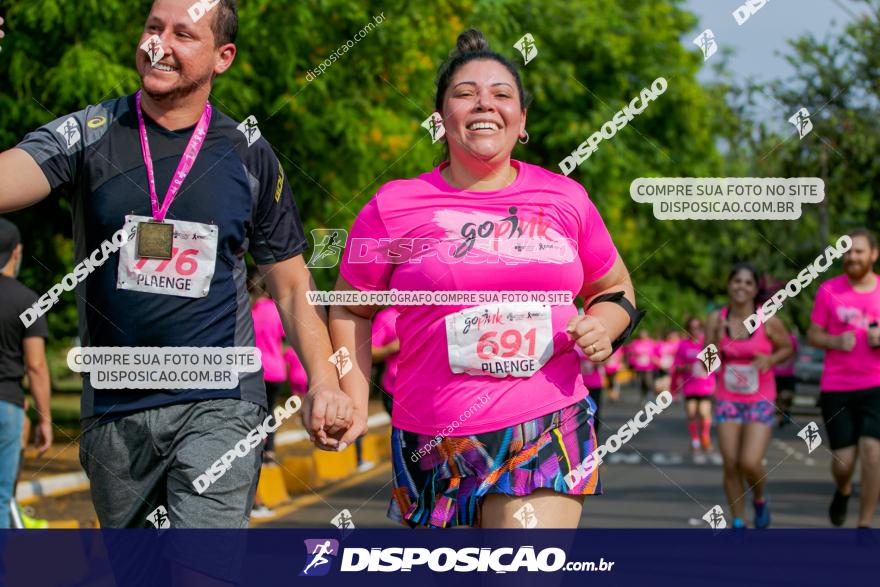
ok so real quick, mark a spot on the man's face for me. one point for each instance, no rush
(191, 59)
(859, 260)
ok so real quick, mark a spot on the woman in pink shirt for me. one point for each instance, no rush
(612, 367)
(696, 384)
(664, 356)
(490, 409)
(746, 393)
(640, 356)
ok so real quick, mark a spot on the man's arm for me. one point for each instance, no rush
(38, 378)
(22, 182)
(819, 337)
(305, 325)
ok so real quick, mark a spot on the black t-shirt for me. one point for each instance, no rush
(236, 185)
(16, 299)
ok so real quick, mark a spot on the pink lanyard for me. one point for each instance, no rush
(183, 167)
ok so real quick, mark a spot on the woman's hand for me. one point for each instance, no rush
(763, 362)
(327, 414)
(345, 437)
(590, 334)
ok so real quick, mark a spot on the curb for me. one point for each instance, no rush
(27, 492)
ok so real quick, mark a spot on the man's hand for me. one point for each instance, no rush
(43, 436)
(327, 415)
(846, 341)
(345, 437)
(590, 334)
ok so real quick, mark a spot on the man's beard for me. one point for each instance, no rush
(857, 271)
(187, 87)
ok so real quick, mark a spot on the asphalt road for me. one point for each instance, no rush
(652, 482)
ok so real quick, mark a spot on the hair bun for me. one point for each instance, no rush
(471, 41)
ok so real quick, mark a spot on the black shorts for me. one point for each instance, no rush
(785, 382)
(849, 415)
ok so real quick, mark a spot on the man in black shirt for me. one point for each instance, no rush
(179, 280)
(22, 350)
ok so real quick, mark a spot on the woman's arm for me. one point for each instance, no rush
(351, 327)
(605, 322)
(782, 349)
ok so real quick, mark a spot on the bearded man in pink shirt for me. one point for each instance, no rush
(845, 323)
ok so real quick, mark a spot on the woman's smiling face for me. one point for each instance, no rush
(742, 287)
(481, 111)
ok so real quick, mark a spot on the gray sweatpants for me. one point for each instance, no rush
(149, 459)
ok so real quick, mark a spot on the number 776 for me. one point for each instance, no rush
(185, 264)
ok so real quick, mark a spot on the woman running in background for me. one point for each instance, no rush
(664, 357)
(696, 384)
(745, 409)
(640, 356)
(785, 381)
(612, 367)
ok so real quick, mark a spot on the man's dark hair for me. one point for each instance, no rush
(872, 240)
(225, 23)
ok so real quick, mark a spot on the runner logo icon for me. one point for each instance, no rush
(329, 244)
(801, 121)
(69, 131)
(810, 434)
(526, 46)
(706, 42)
(434, 125)
(318, 556)
(715, 518)
(709, 357)
(249, 129)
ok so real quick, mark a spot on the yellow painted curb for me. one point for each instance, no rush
(299, 474)
(331, 465)
(375, 448)
(271, 489)
(63, 524)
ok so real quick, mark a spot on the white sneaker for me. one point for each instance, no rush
(262, 512)
(365, 466)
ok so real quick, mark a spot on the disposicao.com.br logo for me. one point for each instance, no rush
(441, 559)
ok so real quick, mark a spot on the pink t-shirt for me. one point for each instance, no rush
(269, 333)
(640, 354)
(738, 379)
(465, 245)
(786, 368)
(299, 379)
(664, 352)
(690, 373)
(384, 332)
(614, 362)
(840, 308)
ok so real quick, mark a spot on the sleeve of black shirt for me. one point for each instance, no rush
(278, 232)
(58, 147)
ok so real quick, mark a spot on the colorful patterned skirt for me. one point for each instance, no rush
(446, 486)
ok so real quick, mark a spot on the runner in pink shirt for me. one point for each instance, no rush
(744, 408)
(490, 409)
(845, 322)
(296, 373)
(696, 384)
(269, 335)
(386, 352)
(612, 366)
(640, 357)
(664, 357)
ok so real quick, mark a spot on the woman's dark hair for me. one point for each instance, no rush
(755, 275)
(472, 45)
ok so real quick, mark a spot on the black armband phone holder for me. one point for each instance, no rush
(635, 316)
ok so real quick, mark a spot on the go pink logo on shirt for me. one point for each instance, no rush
(510, 237)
